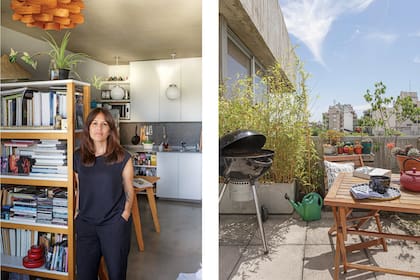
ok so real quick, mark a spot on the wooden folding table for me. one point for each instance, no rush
(341, 201)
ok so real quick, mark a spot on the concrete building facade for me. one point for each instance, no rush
(341, 117)
(253, 36)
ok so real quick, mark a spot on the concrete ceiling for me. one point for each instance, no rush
(131, 29)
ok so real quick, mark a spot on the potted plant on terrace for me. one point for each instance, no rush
(64, 61)
(283, 118)
(403, 154)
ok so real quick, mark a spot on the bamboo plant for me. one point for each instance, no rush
(283, 117)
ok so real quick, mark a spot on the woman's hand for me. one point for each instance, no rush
(76, 214)
(126, 215)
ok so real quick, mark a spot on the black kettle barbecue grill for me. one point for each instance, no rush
(242, 159)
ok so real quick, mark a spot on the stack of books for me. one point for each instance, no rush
(50, 159)
(59, 216)
(44, 209)
(24, 204)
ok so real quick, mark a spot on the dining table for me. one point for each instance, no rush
(342, 202)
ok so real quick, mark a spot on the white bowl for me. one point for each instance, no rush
(117, 93)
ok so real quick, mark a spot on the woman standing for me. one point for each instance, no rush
(104, 197)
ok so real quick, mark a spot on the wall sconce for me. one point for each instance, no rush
(172, 92)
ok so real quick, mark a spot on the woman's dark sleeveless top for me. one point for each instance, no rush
(101, 190)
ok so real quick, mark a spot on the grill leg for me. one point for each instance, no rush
(257, 208)
(222, 192)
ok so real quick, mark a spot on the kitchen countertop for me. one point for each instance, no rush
(172, 149)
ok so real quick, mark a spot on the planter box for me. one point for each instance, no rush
(269, 195)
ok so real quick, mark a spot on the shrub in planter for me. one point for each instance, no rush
(283, 117)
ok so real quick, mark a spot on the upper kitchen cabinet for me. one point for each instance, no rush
(149, 81)
(191, 89)
(144, 90)
(169, 74)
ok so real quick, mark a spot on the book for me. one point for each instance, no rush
(45, 109)
(36, 109)
(366, 171)
(12, 236)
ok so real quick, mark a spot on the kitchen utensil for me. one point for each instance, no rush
(135, 139)
(410, 179)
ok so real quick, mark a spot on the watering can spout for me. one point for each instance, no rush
(297, 206)
(310, 207)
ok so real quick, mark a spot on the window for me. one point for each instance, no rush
(237, 62)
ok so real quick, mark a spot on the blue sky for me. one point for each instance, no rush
(348, 45)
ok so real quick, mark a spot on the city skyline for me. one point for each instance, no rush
(348, 46)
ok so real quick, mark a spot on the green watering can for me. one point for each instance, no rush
(310, 207)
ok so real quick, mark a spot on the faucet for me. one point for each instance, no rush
(183, 146)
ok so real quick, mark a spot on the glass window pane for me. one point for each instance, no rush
(259, 88)
(238, 65)
(238, 62)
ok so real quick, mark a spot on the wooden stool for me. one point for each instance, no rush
(152, 204)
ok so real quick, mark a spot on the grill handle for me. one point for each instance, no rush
(263, 163)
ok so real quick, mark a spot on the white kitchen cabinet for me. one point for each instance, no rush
(167, 186)
(180, 175)
(170, 73)
(191, 89)
(189, 179)
(144, 91)
(149, 81)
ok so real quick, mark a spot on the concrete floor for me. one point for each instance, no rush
(304, 250)
(176, 249)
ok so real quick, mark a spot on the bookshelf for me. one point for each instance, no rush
(71, 89)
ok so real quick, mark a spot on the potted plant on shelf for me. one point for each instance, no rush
(358, 148)
(340, 148)
(283, 118)
(331, 138)
(367, 145)
(65, 62)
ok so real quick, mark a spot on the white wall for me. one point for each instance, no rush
(21, 42)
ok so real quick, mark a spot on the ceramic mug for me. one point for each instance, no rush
(379, 184)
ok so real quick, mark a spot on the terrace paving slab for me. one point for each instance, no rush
(300, 250)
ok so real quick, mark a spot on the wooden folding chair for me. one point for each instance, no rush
(361, 220)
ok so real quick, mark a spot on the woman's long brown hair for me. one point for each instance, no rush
(114, 151)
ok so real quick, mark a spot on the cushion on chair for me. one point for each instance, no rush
(332, 169)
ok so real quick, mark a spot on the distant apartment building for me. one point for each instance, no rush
(406, 127)
(340, 117)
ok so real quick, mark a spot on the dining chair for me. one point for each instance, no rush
(357, 220)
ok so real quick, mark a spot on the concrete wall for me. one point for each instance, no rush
(260, 26)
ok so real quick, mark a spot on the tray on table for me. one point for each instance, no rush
(364, 191)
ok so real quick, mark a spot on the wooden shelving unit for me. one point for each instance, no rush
(12, 263)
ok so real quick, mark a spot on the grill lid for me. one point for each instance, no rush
(242, 140)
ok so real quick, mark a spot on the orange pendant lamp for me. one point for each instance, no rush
(48, 14)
